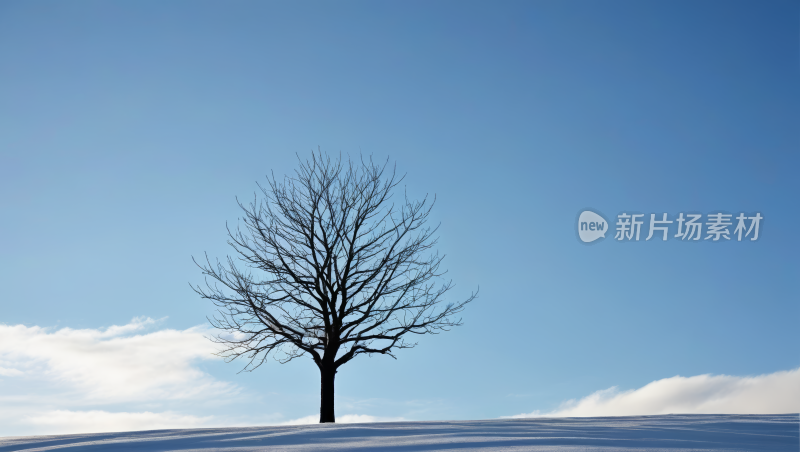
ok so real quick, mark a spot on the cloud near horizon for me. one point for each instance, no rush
(120, 378)
(129, 377)
(345, 419)
(97, 421)
(773, 393)
(112, 365)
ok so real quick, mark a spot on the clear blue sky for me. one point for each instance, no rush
(128, 128)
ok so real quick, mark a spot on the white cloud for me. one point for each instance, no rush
(346, 419)
(5, 372)
(112, 365)
(774, 393)
(119, 378)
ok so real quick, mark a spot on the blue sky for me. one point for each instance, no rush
(127, 130)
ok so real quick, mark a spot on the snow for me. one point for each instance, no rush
(650, 433)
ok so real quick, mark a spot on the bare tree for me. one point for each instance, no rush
(334, 269)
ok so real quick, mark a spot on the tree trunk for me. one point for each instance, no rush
(328, 374)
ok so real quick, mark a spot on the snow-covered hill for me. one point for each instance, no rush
(651, 433)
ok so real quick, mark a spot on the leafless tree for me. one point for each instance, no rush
(334, 269)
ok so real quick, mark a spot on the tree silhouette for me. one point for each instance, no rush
(332, 269)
